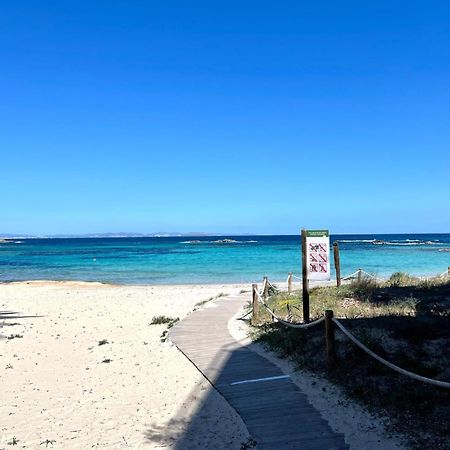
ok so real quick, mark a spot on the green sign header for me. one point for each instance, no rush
(317, 233)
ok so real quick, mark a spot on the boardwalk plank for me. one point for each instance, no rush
(276, 412)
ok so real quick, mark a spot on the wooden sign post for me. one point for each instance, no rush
(255, 304)
(305, 290)
(265, 287)
(315, 262)
(337, 263)
(289, 283)
(329, 337)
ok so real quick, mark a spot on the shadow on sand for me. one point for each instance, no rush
(275, 411)
(6, 316)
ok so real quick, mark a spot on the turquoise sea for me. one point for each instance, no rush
(180, 260)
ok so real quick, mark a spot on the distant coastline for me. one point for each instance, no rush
(163, 234)
(6, 236)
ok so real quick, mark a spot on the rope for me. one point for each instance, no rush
(387, 363)
(284, 322)
(360, 271)
(347, 333)
(354, 274)
(371, 276)
(245, 315)
(265, 281)
(433, 277)
(350, 276)
(299, 325)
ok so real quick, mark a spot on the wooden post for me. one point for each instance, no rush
(337, 263)
(305, 286)
(448, 271)
(265, 287)
(359, 275)
(329, 337)
(289, 282)
(255, 304)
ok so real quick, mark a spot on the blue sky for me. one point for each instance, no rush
(229, 117)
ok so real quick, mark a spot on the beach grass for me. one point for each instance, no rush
(204, 302)
(405, 320)
(164, 320)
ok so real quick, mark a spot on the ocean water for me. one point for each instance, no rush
(181, 260)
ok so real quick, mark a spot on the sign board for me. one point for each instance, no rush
(318, 255)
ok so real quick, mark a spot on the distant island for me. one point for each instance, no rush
(6, 236)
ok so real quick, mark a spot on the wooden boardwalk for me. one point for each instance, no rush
(276, 412)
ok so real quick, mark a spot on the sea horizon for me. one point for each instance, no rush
(121, 235)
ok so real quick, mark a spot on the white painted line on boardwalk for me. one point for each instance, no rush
(257, 380)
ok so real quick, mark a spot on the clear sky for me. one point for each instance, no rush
(234, 117)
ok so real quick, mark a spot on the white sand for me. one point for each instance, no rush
(57, 392)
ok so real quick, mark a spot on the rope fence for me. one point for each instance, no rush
(442, 275)
(359, 275)
(259, 298)
(409, 374)
(245, 315)
(284, 322)
(351, 276)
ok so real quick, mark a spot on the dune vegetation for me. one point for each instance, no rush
(405, 320)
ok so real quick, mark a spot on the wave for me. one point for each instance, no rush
(407, 244)
(412, 242)
(399, 242)
(219, 241)
(356, 241)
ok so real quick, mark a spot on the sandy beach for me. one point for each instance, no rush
(61, 389)
(82, 367)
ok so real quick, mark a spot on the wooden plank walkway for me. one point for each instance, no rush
(276, 412)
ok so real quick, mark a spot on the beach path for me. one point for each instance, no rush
(274, 409)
